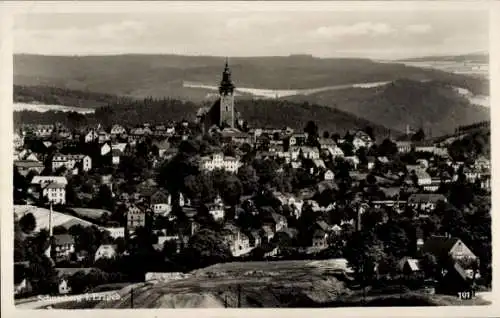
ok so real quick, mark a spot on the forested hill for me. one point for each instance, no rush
(162, 75)
(258, 113)
(50, 95)
(433, 105)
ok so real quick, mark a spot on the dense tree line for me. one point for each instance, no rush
(52, 95)
(258, 113)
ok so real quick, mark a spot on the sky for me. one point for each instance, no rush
(210, 30)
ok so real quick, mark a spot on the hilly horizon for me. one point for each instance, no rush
(477, 57)
(434, 106)
(413, 101)
(163, 75)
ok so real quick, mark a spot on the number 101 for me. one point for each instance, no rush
(465, 295)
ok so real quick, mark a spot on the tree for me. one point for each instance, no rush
(27, 223)
(132, 166)
(311, 129)
(169, 248)
(364, 251)
(369, 131)
(248, 178)
(387, 148)
(419, 135)
(205, 248)
(429, 265)
(347, 148)
(395, 239)
(59, 230)
(232, 191)
(104, 198)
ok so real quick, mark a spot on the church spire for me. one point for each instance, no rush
(226, 85)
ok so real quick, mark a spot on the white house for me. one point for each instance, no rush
(135, 218)
(70, 161)
(423, 178)
(64, 287)
(105, 251)
(219, 161)
(18, 140)
(353, 160)
(216, 210)
(329, 175)
(55, 193)
(117, 130)
(91, 136)
(310, 152)
(404, 146)
(425, 201)
(116, 232)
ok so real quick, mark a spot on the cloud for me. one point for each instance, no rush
(69, 40)
(121, 29)
(418, 28)
(362, 28)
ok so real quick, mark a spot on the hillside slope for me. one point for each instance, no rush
(258, 113)
(163, 75)
(433, 105)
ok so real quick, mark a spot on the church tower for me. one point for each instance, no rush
(226, 92)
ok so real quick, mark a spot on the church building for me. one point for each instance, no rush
(222, 114)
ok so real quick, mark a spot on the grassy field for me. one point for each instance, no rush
(258, 284)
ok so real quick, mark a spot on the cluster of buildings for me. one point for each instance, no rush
(76, 152)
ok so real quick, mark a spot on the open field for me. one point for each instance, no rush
(263, 284)
(42, 217)
(44, 108)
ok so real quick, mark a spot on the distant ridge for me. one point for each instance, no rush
(479, 57)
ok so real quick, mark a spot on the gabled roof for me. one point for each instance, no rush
(63, 239)
(108, 247)
(55, 185)
(43, 179)
(319, 163)
(120, 146)
(28, 164)
(323, 225)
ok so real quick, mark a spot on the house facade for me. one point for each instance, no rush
(72, 161)
(105, 251)
(55, 193)
(135, 218)
(219, 161)
(64, 246)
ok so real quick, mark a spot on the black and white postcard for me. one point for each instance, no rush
(244, 155)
